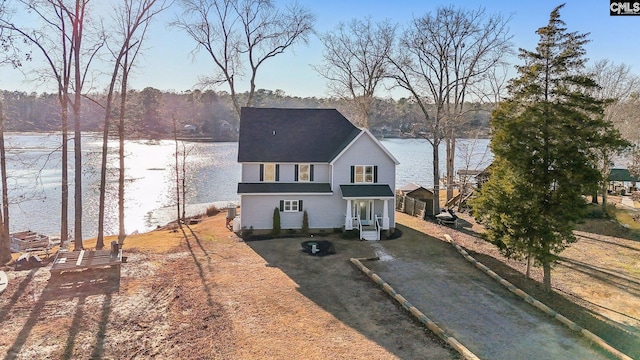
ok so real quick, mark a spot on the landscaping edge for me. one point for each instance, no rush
(539, 305)
(432, 326)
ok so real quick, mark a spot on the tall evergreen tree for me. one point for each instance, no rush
(545, 140)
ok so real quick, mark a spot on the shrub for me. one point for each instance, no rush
(275, 230)
(305, 222)
(246, 233)
(212, 210)
(351, 234)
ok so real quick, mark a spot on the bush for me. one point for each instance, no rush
(351, 234)
(305, 222)
(275, 230)
(212, 210)
(246, 233)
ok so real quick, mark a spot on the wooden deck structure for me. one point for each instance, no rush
(85, 259)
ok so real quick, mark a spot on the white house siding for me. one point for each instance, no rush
(366, 151)
(322, 210)
(250, 173)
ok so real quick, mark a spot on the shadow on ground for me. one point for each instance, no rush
(614, 333)
(335, 285)
(68, 286)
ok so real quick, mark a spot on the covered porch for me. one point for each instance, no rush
(368, 209)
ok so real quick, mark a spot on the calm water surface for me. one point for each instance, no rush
(34, 160)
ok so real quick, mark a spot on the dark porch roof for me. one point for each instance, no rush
(283, 188)
(366, 191)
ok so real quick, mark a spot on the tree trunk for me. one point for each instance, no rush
(121, 231)
(175, 138)
(123, 104)
(3, 174)
(5, 250)
(64, 206)
(529, 261)
(451, 153)
(77, 139)
(184, 182)
(547, 276)
(103, 171)
(436, 178)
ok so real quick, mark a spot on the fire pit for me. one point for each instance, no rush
(318, 247)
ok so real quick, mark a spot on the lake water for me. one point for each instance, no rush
(33, 166)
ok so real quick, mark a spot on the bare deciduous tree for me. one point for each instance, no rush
(356, 60)
(240, 35)
(59, 40)
(131, 20)
(439, 58)
(8, 56)
(619, 87)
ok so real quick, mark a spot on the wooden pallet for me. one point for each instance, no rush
(84, 259)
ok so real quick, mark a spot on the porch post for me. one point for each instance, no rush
(385, 215)
(348, 219)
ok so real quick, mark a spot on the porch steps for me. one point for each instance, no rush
(369, 235)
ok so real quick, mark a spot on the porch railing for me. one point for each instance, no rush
(378, 225)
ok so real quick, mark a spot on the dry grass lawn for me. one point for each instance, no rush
(201, 294)
(205, 294)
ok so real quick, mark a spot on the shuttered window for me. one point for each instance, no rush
(290, 205)
(363, 174)
(303, 172)
(269, 172)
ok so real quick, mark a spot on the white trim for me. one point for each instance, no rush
(291, 202)
(365, 131)
(368, 197)
(286, 194)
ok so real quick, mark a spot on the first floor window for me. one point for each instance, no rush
(290, 205)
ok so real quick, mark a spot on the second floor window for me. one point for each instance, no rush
(364, 174)
(269, 172)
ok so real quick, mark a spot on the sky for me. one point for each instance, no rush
(168, 63)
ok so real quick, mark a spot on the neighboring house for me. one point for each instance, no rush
(313, 160)
(621, 181)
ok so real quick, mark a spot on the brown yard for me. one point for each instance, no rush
(206, 294)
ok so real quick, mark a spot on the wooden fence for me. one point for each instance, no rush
(411, 206)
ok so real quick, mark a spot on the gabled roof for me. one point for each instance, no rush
(366, 132)
(411, 187)
(293, 135)
(621, 175)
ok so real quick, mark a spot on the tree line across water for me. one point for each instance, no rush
(151, 112)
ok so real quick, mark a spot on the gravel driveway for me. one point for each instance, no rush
(483, 315)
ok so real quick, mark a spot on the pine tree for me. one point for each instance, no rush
(275, 230)
(545, 140)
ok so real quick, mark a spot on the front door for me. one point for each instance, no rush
(364, 210)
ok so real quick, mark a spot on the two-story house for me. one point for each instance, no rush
(313, 160)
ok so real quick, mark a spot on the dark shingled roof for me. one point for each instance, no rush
(283, 188)
(293, 135)
(622, 175)
(366, 191)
